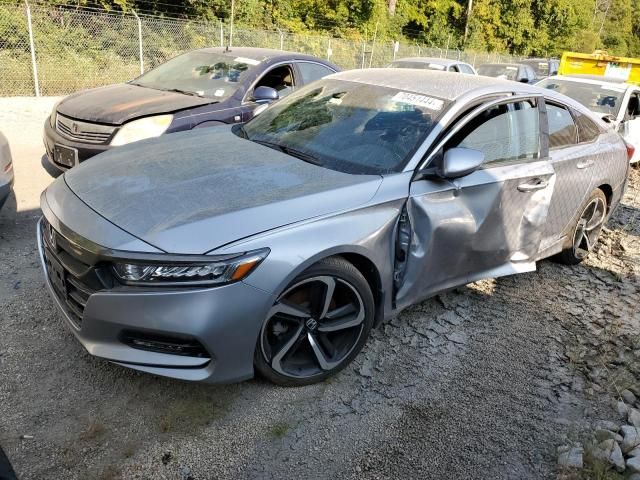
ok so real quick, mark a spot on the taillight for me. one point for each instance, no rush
(630, 150)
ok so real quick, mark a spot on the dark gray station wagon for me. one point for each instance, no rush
(202, 88)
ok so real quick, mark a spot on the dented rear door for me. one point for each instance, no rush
(488, 223)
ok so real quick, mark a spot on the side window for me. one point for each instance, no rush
(588, 131)
(503, 133)
(562, 130)
(531, 75)
(464, 68)
(633, 107)
(280, 78)
(313, 71)
(454, 68)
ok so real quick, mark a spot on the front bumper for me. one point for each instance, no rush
(225, 320)
(51, 137)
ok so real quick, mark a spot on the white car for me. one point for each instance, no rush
(616, 101)
(432, 63)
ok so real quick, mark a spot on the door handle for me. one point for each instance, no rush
(587, 164)
(533, 185)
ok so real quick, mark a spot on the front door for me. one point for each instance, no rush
(281, 78)
(488, 223)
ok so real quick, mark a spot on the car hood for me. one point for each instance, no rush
(117, 104)
(195, 191)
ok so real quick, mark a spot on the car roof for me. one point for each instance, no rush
(502, 64)
(450, 85)
(260, 54)
(436, 60)
(447, 85)
(594, 80)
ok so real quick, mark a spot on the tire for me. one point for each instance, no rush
(294, 344)
(577, 246)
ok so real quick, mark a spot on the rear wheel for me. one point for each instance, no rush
(317, 325)
(584, 234)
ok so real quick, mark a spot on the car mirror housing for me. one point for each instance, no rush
(264, 94)
(458, 162)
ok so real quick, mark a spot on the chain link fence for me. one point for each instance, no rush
(56, 50)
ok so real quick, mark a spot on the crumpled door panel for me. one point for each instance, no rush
(482, 225)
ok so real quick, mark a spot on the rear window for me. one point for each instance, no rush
(419, 65)
(313, 71)
(588, 131)
(507, 72)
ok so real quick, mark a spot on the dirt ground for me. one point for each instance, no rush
(483, 382)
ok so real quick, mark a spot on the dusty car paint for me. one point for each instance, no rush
(117, 104)
(453, 231)
(107, 109)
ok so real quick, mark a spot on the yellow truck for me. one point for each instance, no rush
(601, 64)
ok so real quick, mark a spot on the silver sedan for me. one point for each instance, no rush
(276, 246)
(6, 170)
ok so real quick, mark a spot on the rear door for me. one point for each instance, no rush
(488, 223)
(573, 158)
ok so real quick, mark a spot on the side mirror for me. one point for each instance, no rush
(265, 95)
(524, 80)
(458, 162)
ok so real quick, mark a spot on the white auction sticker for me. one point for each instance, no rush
(418, 100)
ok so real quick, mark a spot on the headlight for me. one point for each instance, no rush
(143, 128)
(214, 272)
(54, 114)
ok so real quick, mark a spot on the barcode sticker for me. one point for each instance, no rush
(418, 100)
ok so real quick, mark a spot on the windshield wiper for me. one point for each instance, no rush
(184, 92)
(307, 157)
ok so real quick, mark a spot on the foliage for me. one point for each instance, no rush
(522, 27)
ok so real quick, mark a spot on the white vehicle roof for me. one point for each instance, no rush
(614, 83)
(438, 61)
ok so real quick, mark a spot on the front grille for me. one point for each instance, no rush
(83, 131)
(73, 280)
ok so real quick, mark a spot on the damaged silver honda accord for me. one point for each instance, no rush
(275, 247)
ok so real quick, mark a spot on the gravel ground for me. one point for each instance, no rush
(483, 382)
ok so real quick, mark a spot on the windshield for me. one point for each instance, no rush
(347, 126)
(205, 74)
(508, 72)
(414, 64)
(603, 99)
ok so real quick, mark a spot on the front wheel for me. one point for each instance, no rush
(317, 325)
(584, 234)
